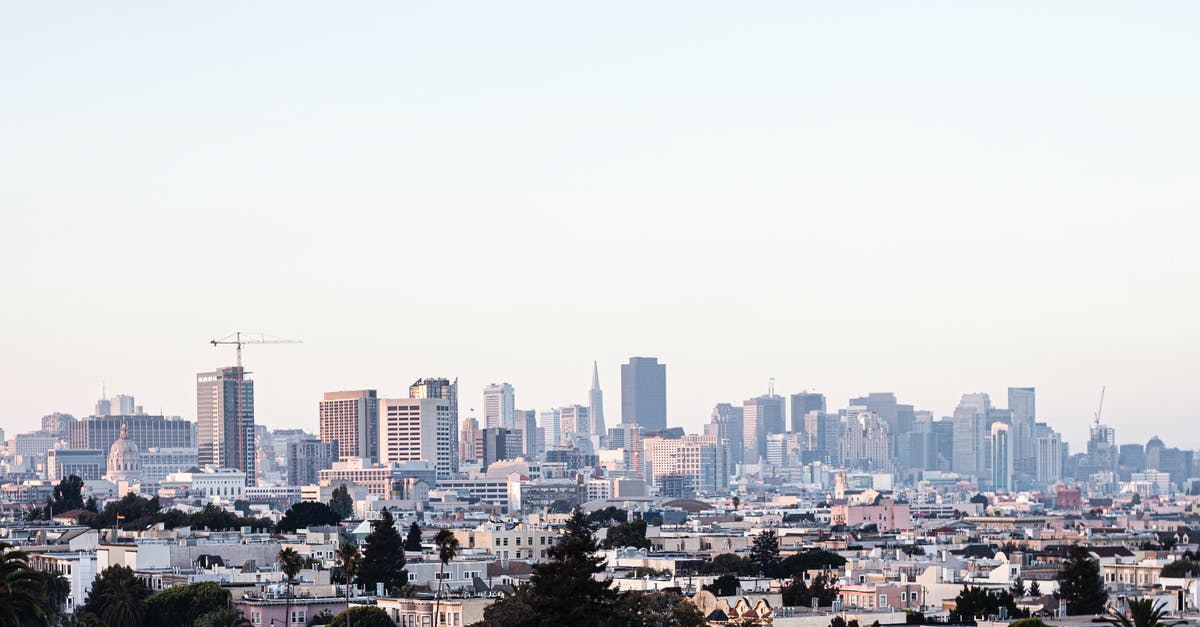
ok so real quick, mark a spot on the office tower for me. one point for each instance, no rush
(447, 391)
(702, 461)
(970, 434)
(785, 449)
(527, 425)
(865, 442)
(574, 424)
(823, 433)
(123, 405)
(727, 425)
(943, 432)
(803, 403)
(882, 404)
(103, 408)
(307, 457)
(596, 406)
(148, 432)
(551, 421)
(499, 444)
(468, 440)
(351, 419)
(58, 423)
(225, 425)
(761, 416)
(644, 393)
(1049, 454)
(1022, 404)
(1132, 458)
(86, 464)
(414, 429)
(499, 406)
(1002, 458)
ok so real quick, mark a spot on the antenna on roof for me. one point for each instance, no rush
(771, 387)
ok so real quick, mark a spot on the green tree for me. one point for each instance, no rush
(729, 563)
(222, 617)
(182, 605)
(383, 556)
(57, 588)
(412, 542)
(1181, 568)
(349, 558)
(117, 597)
(306, 514)
(799, 593)
(1080, 585)
(764, 551)
(1017, 589)
(1028, 622)
(974, 602)
(341, 503)
(22, 590)
(627, 534)
(725, 586)
(362, 617)
(1035, 589)
(447, 547)
(610, 514)
(291, 564)
(1142, 613)
(658, 609)
(68, 495)
(797, 564)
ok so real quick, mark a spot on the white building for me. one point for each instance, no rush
(703, 458)
(223, 483)
(414, 429)
(499, 406)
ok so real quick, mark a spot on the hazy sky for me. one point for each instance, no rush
(929, 198)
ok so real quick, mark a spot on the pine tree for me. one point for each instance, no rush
(765, 552)
(1080, 585)
(383, 557)
(1035, 590)
(413, 541)
(341, 503)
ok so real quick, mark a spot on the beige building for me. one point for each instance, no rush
(352, 419)
(418, 429)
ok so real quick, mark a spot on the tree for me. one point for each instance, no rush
(1142, 613)
(291, 564)
(341, 503)
(183, 605)
(797, 564)
(363, 617)
(223, 617)
(349, 558)
(610, 514)
(22, 590)
(1181, 568)
(1035, 589)
(837, 621)
(725, 586)
(973, 602)
(658, 609)
(1017, 589)
(306, 514)
(57, 588)
(383, 557)
(413, 541)
(980, 499)
(1080, 585)
(117, 597)
(1028, 622)
(68, 495)
(627, 534)
(799, 594)
(729, 563)
(447, 547)
(764, 551)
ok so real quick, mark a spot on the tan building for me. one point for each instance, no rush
(351, 418)
(418, 429)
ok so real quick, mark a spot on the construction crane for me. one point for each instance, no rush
(239, 339)
(1101, 407)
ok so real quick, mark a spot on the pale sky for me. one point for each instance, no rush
(929, 198)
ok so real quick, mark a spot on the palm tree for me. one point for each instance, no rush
(349, 557)
(122, 605)
(58, 588)
(1142, 613)
(224, 617)
(22, 590)
(290, 563)
(447, 546)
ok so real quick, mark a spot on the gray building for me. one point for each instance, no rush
(446, 390)
(727, 425)
(307, 458)
(158, 432)
(644, 393)
(225, 426)
(803, 403)
(596, 406)
(761, 416)
(87, 464)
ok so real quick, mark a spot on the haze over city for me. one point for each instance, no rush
(930, 199)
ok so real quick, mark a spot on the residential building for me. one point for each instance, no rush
(351, 419)
(307, 458)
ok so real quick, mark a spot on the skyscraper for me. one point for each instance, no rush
(468, 441)
(596, 406)
(1002, 458)
(761, 416)
(574, 423)
(499, 406)
(351, 419)
(528, 426)
(418, 429)
(727, 425)
(970, 434)
(803, 403)
(307, 457)
(225, 426)
(122, 405)
(1021, 402)
(644, 393)
(447, 391)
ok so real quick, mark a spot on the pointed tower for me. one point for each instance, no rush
(596, 406)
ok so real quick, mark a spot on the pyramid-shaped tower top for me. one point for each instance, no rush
(595, 376)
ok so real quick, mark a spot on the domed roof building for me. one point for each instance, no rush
(124, 459)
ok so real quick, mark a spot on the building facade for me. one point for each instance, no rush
(225, 422)
(351, 419)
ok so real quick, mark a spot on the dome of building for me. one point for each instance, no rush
(1155, 443)
(124, 458)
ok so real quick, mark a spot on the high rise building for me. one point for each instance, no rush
(644, 393)
(499, 406)
(499, 444)
(528, 426)
(882, 404)
(574, 423)
(727, 425)
(865, 442)
(703, 460)
(1049, 454)
(351, 419)
(123, 405)
(802, 403)
(971, 434)
(551, 421)
(308, 457)
(58, 423)
(447, 391)
(1022, 404)
(148, 432)
(103, 408)
(468, 440)
(1002, 458)
(596, 406)
(225, 425)
(414, 429)
(761, 416)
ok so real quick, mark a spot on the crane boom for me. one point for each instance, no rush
(238, 339)
(1101, 407)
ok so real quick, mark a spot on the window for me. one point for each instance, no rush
(883, 600)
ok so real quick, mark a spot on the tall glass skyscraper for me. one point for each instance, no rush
(225, 427)
(644, 393)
